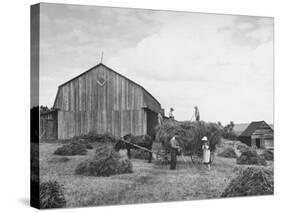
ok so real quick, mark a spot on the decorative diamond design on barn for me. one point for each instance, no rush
(101, 77)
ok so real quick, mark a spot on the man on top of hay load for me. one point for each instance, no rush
(171, 116)
(174, 150)
(160, 119)
(196, 113)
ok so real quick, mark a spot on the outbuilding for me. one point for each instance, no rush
(103, 101)
(258, 134)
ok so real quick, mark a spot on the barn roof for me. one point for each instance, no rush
(253, 126)
(149, 104)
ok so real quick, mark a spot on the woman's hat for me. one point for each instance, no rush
(204, 138)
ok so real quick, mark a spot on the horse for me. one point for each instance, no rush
(140, 140)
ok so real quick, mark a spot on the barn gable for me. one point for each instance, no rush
(62, 101)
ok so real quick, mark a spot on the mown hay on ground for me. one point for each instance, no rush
(73, 148)
(228, 152)
(267, 155)
(189, 134)
(250, 157)
(51, 195)
(58, 160)
(250, 181)
(105, 162)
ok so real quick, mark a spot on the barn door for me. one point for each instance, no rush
(151, 123)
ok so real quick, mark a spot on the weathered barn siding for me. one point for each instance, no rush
(48, 126)
(117, 106)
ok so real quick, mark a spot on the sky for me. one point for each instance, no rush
(221, 63)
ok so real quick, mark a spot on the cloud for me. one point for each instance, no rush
(222, 63)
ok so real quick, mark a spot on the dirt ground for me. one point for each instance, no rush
(148, 183)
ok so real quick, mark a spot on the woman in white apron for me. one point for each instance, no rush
(206, 152)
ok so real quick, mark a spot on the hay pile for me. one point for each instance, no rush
(87, 144)
(105, 162)
(267, 155)
(189, 134)
(73, 148)
(250, 157)
(242, 147)
(93, 137)
(228, 153)
(51, 195)
(59, 160)
(250, 181)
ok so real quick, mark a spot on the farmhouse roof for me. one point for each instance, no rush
(150, 105)
(253, 126)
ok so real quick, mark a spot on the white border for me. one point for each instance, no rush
(15, 78)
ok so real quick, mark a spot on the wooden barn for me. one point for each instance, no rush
(258, 134)
(103, 101)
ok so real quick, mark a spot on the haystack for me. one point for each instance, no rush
(93, 137)
(228, 153)
(250, 181)
(105, 162)
(267, 155)
(73, 148)
(189, 133)
(59, 160)
(242, 147)
(51, 195)
(250, 157)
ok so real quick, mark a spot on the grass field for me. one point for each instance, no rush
(148, 182)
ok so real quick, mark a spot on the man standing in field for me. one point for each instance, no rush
(174, 150)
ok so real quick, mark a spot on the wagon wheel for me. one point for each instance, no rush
(196, 158)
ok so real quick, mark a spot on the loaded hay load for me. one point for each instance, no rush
(73, 148)
(250, 157)
(189, 133)
(250, 181)
(105, 162)
(228, 152)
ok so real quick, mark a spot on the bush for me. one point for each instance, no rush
(228, 153)
(189, 133)
(250, 181)
(51, 195)
(73, 148)
(250, 157)
(267, 155)
(105, 162)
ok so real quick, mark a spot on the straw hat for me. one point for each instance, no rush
(204, 138)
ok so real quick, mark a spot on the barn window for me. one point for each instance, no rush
(101, 77)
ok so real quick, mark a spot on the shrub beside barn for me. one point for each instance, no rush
(100, 100)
